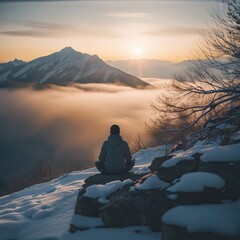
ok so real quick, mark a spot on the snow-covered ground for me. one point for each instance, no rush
(44, 211)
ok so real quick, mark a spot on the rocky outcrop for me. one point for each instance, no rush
(189, 185)
(105, 178)
(170, 173)
(171, 232)
(229, 171)
(136, 208)
(197, 188)
(89, 206)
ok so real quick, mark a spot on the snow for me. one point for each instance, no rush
(214, 218)
(172, 196)
(128, 233)
(86, 222)
(152, 182)
(101, 192)
(175, 160)
(143, 170)
(4, 76)
(44, 211)
(229, 153)
(210, 153)
(197, 182)
(41, 211)
(147, 155)
(236, 136)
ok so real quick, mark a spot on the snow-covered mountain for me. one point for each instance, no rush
(66, 67)
(147, 68)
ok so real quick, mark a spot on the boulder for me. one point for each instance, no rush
(157, 162)
(198, 222)
(229, 172)
(225, 162)
(105, 178)
(87, 206)
(196, 188)
(209, 195)
(135, 208)
(175, 171)
(171, 232)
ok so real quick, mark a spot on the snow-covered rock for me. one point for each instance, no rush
(152, 182)
(197, 182)
(212, 221)
(101, 192)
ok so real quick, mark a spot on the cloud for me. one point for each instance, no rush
(53, 30)
(176, 31)
(126, 14)
(39, 29)
(67, 125)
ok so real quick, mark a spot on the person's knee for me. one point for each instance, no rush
(99, 165)
(129, 165)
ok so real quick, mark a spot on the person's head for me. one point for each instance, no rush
(115, 129)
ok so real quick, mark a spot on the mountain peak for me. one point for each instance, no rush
(68, 50)
(68, 66)
(17, 62)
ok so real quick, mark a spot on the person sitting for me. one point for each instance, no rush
(115, 156)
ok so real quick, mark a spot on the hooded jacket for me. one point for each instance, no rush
(114, 154)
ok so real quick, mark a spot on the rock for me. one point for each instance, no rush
(197, 188)
(184, 166)
(87, 206)
(179, 146)
(157, 162)
(171, 232)
(202, 222)
(135, 208)
(209, 195)
(105, 178)
(229, 172)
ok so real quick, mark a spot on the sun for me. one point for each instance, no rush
(137, 51)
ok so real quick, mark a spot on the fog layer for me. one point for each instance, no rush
(67, 125)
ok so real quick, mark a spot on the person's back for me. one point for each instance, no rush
(115, 155)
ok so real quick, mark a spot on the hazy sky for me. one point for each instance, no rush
(166, 30)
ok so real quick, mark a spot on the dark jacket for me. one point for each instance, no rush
(114, 153)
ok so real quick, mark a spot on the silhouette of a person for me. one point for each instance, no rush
(115, 156)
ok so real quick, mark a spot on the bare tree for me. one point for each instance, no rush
(138, 144)
(206, 88)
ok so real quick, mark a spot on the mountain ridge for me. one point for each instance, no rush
(66, 67)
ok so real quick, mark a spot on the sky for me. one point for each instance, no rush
(114, 30)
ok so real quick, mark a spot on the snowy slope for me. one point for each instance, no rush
(67, 66)
(44, 211)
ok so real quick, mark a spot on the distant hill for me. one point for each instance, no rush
(150, 68)
(63, 68)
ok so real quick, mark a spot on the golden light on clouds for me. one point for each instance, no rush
(114, 30)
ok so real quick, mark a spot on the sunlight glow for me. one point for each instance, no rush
(137, 51)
